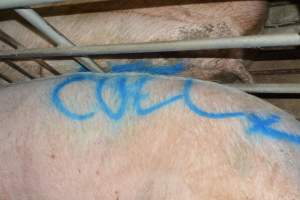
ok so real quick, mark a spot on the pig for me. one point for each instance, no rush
(141, 136)
(151, 24)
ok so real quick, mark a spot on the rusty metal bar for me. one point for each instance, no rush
(19, 69)
(16, 45)
(2, 76)
(56, 37)
(9, 40)
(256, 41)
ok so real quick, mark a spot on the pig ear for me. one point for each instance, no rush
(236, 67)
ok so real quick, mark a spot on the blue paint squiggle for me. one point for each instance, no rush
(139, 96)
(123, 94)
(187, 99)
(134, 94)
(264, 127)
(143, 67)
(57, 101)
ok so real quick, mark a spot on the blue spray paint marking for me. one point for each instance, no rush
(124, 90)
(135, 91)
(139, 96)
(59, 103)
(258, 124)
(143, 67)
(187, 99)
(263, 126)
(123, 94)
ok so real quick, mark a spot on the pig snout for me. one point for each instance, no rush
(139, 136)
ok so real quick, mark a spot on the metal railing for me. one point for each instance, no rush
(79, 54)
(243, 42)
(7, 4)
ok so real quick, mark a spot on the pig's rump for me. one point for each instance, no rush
(122, 136)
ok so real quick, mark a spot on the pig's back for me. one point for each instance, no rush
(139, 136)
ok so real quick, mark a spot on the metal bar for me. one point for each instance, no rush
(276, 71)
(47, 66)
(19, 69)
(289, 39)
(16, 45)
(72, 2)
(45, 28)
(2, 76)
(6, 4)
(9, 40)
(268, 88)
